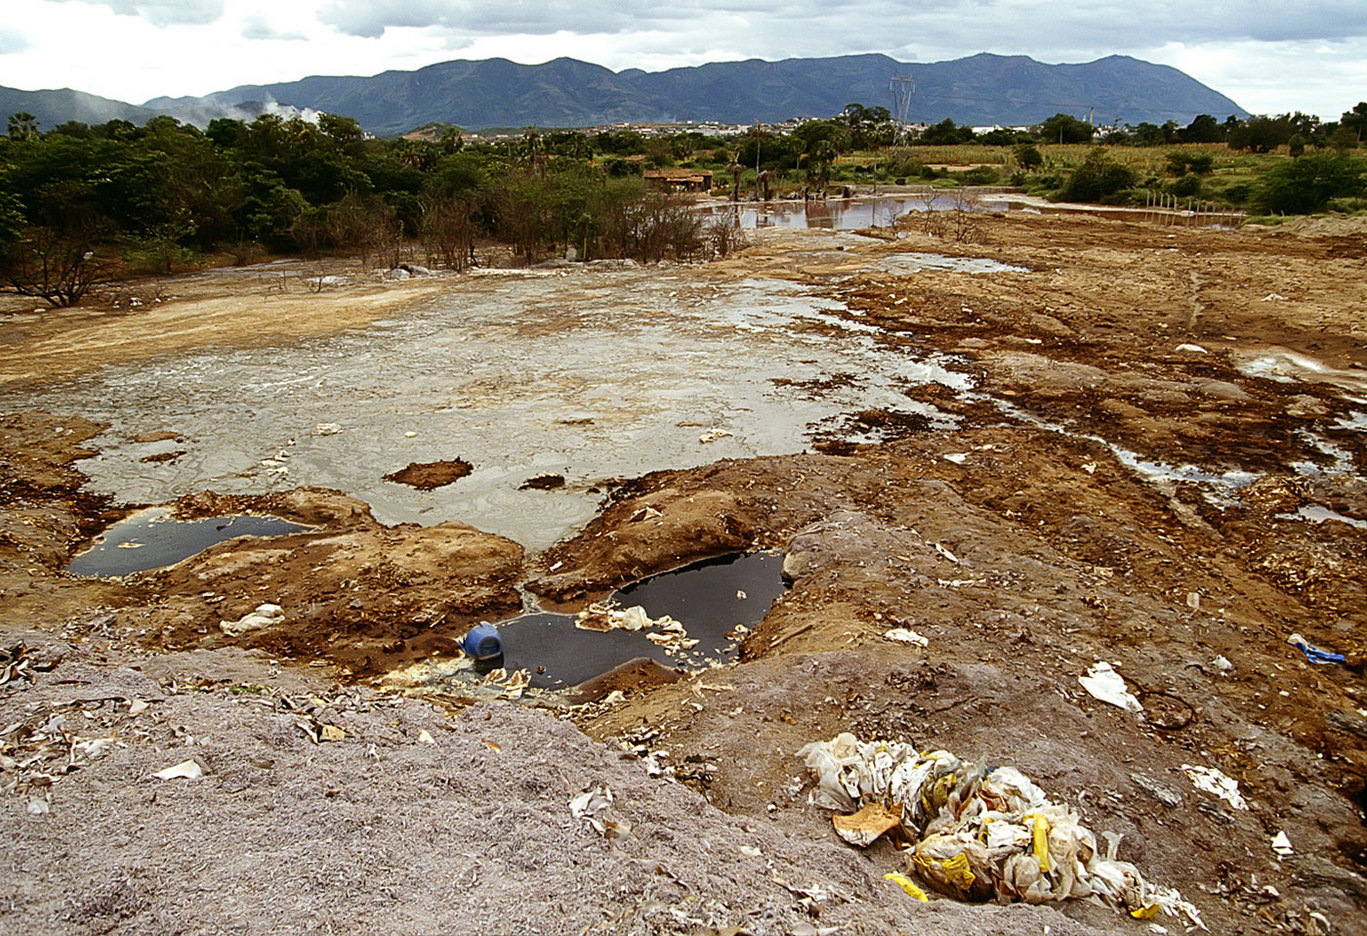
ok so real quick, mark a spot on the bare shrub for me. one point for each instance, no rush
(448, 232)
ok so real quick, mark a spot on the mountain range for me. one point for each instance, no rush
(979, 90)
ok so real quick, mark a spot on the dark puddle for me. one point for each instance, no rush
(150, 539)
(705, 597)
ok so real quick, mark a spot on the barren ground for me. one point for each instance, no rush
(1024, 553)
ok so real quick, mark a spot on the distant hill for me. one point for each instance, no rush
(980, 90)
(57, 107)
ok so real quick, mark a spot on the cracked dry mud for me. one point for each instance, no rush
(1158, 462)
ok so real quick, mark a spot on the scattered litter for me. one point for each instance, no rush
(18, 662)
(1315, 654)
(957, 458)
(712, 435)
(1273, 297)
(740, 594)
(1194, 348)
(979, 833)
(645, 513)
(957, 583)
(1089, 467)
(940, 548)
(326, 429)
(907, 636)
(512, 686)
(1194, 601)
(1214, 781)
(264, 616)
(1222, 664)
(671, 634)
(906, 883)
(410, 434)
(331, 733)
(38, 806)
(1282, 845)
(1106, 684)
(425, 737)
(185, 770)
(594, 807)
(866, 826)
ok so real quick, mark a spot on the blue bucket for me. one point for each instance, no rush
(483, 642)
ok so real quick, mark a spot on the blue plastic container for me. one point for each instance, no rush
(483, 642)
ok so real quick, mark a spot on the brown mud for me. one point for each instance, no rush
(1124, 486)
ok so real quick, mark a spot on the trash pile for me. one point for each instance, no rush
(973, 832)
(671, 634)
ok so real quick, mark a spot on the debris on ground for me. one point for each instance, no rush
(1104, 683)
(185, 770)
(1213, 780)
(907, 636)
(1315, 654)
(265, 615)
(595, 808)
(669, 633)
(977, 833)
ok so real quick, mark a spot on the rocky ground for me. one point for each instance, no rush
(1042, 536)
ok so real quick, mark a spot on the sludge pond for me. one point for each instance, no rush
(592, 373)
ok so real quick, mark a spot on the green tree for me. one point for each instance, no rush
(23, 126)
(945, 133)
(1307, 184)
(1062, 128)
(1028, 157)
(1097, 178)
(1355, 121)
(1204, 129)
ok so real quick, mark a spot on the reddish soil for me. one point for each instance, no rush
(1024, 554)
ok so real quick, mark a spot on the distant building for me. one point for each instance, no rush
(679, 180)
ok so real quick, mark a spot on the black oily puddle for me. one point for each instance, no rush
(150, 539)
(704, 597)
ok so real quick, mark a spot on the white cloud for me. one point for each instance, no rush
(1302, 54)
(165, 12)
(260, 27)
(12, 40)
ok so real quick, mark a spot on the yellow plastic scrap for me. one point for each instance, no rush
(908, 885)
(1041, 827)
(1145, 913)
(935, 795)
(953, 872)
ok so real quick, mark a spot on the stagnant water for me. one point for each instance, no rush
(151, 539)
(709, 598)
(844, 214)
(590, 373)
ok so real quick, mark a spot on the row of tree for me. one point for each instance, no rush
(77, 201)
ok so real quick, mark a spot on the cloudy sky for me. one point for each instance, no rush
(1271, 56)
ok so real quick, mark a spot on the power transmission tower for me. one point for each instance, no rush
(903, 86)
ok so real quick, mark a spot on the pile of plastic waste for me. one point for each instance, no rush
(974, 832)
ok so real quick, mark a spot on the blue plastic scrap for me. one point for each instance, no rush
(483, 642)
(1315, 654)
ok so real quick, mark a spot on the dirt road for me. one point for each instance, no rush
(1159, 465)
